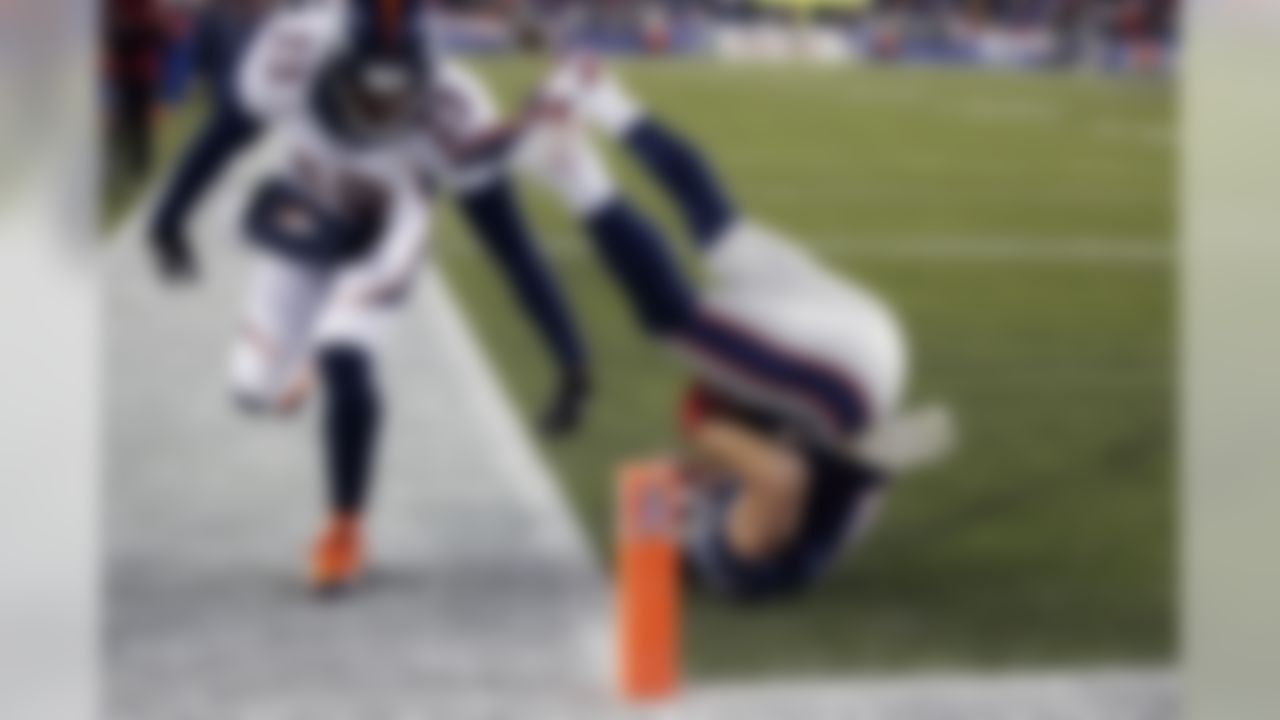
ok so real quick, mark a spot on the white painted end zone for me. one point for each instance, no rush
(1084, 695)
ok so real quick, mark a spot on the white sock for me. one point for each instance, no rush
(588, 87)
(611, 107)
(566, 163)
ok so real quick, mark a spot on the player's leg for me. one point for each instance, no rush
(496, 217)
(269, 360)
(740, 253)
(226, 133)
(560, 155)
(349, 335)
(674, 163)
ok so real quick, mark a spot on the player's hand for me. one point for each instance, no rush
(563, 414)
(174, 259)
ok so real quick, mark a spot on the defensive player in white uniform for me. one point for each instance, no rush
(374, 127)
(796, 369)
(338, 236)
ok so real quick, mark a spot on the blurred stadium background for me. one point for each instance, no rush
(154, 49)
(1002, 169)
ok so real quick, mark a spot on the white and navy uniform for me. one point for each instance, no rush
(309, 293)
(776, 341)
(454, 153)
(293, 305)
(765, 288)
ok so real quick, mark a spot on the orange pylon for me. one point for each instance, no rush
(648, 580)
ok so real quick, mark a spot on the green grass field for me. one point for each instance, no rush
(1022, 226)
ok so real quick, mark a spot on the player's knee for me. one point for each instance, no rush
(352, 328)
(250, 379)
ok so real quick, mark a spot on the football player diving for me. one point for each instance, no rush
(792, 417)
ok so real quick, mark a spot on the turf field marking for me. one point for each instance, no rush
(996, 251)
(934, 169)
(826, 194)
(1008, 110)
(1092, 253)
(1097, 694)
(526, 471)
(1156, 134)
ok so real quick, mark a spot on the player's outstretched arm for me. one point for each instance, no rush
(226, 131)
(558, 154)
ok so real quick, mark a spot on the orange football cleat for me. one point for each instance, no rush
(337, 557)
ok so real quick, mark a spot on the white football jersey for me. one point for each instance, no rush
(277, 83)
(456, 112)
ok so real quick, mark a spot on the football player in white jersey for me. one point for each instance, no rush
(458, 114)
(374, 126)
(338, 236)
(798, 373)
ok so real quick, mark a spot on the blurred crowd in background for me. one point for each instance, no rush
(154, 48)
(1110, 35)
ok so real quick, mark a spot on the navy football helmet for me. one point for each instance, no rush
(373, 87)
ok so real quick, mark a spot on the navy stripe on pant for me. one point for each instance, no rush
(838, 402)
